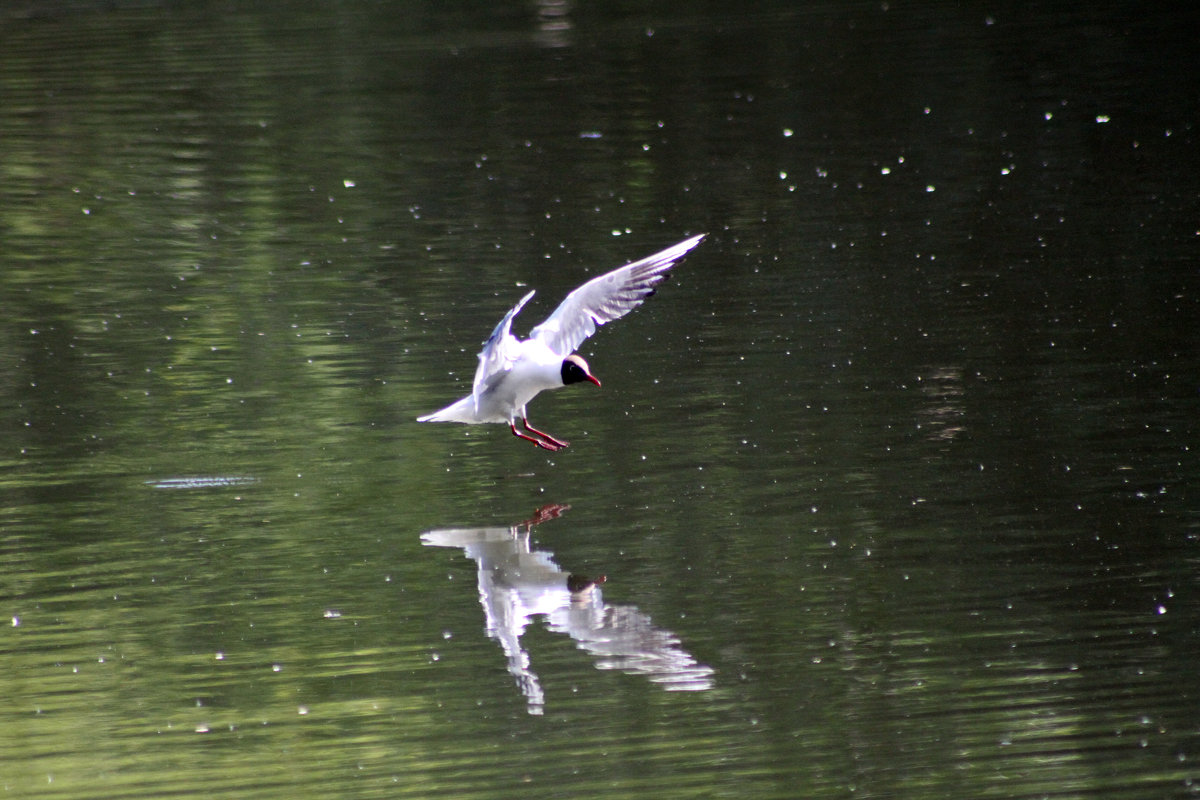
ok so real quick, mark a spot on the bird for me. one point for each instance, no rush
(513, 371)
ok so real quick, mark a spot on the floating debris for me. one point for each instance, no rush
(202, 482)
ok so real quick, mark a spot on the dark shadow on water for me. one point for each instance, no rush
(518, 583)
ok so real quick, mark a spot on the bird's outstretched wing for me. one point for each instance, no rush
(499, 351)
(603, 299)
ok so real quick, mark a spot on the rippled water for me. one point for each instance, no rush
(891, 487)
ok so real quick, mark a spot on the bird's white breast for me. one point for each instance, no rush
(535, 369)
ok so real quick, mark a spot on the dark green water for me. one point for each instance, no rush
(894, 485)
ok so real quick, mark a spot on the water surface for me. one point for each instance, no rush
(892, 486)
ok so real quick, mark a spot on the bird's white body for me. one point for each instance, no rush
(534, 369)
(512, 372)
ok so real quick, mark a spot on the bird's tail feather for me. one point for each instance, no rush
(460, 411)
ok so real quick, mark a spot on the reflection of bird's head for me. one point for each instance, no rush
(578, 584)
(575, 370)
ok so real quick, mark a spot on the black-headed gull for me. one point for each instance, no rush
(511, 372)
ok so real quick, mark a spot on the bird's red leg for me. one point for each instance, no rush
(558, 443)
(550, 444)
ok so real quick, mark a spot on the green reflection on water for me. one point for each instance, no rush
(257, 244)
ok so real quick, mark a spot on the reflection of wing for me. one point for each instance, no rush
(501, 554)
(506, 621)
(517, 583)
(627, 640)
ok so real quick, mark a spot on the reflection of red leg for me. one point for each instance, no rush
(545, 513)
(558, 442)
(550, 444)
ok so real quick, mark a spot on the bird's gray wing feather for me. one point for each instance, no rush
(499, 351)
(608, 297)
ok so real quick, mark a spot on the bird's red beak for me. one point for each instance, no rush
(593, 379)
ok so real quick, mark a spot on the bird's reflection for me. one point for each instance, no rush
(517, 583)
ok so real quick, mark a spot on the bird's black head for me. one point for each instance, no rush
(575, 370)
